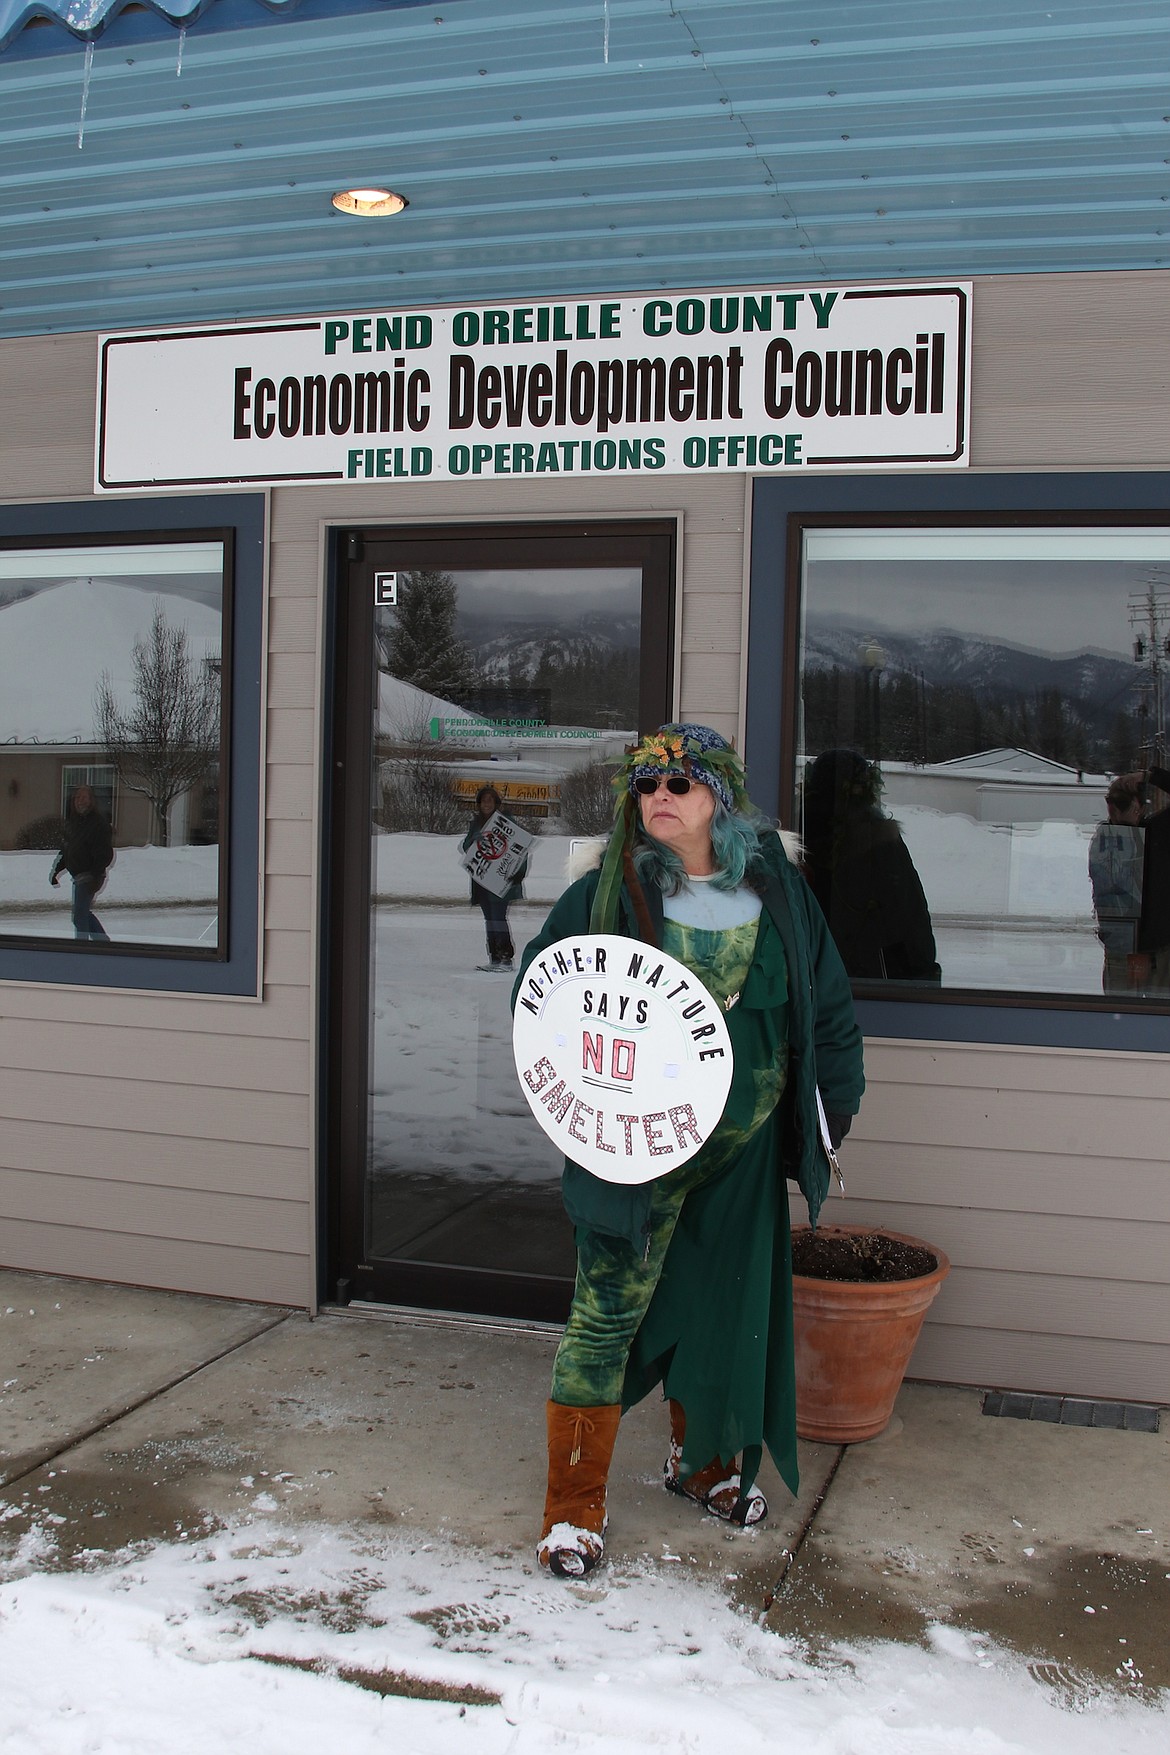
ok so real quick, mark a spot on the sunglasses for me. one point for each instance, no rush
(676, 783)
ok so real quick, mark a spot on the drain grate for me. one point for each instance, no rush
(1068, 1410)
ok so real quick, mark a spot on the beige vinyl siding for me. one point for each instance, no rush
(217, 1269)
(158, 1160)
(1071, 371)
(169, 1140)
(47, 389)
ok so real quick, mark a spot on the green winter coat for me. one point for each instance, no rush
(824, 1043)
(718, 1332)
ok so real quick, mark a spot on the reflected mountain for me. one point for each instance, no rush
(988, 667)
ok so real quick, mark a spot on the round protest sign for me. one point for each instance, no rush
(623, 1055)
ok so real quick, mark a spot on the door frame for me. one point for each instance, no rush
(344, 972)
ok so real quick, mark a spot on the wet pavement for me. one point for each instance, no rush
(129, 1416)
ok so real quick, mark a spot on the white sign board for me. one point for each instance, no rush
(623, 1055)
(762, 379)
(498, 853)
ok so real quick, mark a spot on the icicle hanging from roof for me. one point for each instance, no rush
(84, 94)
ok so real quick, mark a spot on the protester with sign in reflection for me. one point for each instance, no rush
(87, 852)
(685, 1280)
(1152, 959)
(488, 842)
(1116, 853)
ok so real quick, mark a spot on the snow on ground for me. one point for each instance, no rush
(126, 926)
(283, 1641)
(428, 865)
(444, 1090)
(152, 895)
(138, 875)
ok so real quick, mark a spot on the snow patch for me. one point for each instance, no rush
(248, 1639)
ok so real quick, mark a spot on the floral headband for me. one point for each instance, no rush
(695, 749)
(706, 756)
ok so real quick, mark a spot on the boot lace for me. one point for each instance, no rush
(583, 1427)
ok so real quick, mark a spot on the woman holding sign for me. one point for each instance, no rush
(493, 903)
(685, 1279)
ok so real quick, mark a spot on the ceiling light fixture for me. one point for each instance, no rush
(369, 203)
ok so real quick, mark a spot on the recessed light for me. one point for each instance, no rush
(369, 203)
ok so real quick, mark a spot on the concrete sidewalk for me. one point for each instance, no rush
(129, 1416)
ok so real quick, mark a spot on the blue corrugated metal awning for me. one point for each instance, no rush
(558, 147)
(87, 19)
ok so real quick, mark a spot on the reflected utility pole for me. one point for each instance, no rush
(1149, 616)
(873, 662)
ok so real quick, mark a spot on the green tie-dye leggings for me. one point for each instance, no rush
(615, 1282)
(613, 1291)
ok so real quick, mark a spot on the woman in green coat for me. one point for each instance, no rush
(686, 1280)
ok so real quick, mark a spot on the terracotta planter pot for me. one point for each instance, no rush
(853, 1343)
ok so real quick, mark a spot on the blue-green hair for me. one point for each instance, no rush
(735, 845)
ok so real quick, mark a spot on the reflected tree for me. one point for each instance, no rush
(167, 740)
(597, 687)
(416, 790)
(587, 798)
(421, 645)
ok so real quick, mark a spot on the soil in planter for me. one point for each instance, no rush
(819, 1255)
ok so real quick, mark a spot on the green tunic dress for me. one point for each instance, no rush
(716, 1326)
(705, 1308)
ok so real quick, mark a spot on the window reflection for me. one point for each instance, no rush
(971, 698)
(111, 733)
(504, 699)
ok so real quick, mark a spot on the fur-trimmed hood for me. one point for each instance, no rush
(586, 853)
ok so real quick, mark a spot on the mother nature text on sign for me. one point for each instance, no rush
(624, 1057)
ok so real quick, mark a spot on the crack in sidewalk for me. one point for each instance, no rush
(803, 1533)
(35, 1460)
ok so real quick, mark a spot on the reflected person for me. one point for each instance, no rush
(87, 852)
(1153, 946)
(500, 948)
(1116, 855)
(860, 871)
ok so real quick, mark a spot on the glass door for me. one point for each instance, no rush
(487, 681)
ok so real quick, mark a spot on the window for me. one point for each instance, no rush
(125, 658)
(969, 697)
(112, 651)
(973, 670)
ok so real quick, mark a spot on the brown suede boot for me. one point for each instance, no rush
(580, 1445)
(716, 1486)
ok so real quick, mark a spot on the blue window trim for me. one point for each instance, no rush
(237, 973)
(1032, 1021)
